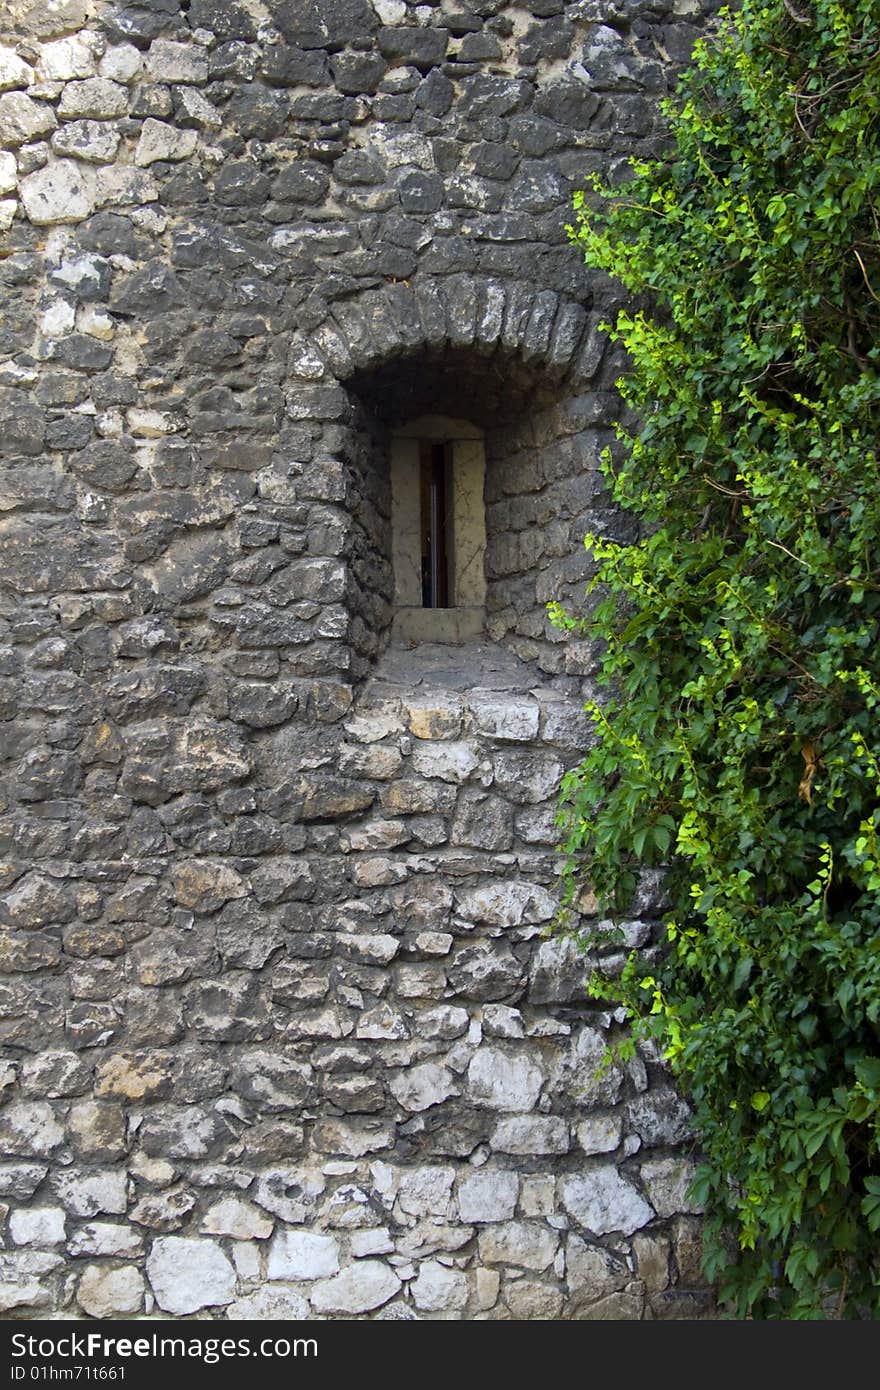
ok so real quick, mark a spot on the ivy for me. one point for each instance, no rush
(737, 733)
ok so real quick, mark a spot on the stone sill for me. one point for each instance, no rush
(438, 624)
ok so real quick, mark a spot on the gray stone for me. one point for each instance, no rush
(439, 1288)
(22, 119)
(20, 1180)
(660, 1116)
(507, 904)
(37, 1226)
(106, 1238)
(106, 1293)
(29, 1128)
(90, 1193)
(68, 58)
(14, 71)
(95, 142)
(420, 1087)
(487, 1194)
(232, 1216)
(160, 141)
(559, 972)
(59, 193)
(527, 1244)
(8, 172)
(532, 1134)
(358, 1289)
(186, 1274)
(504, 1080)
(667, 1182)
(302, 1255)
(274, 1302)
(95, 98)
(167, 61)
(601, 1201)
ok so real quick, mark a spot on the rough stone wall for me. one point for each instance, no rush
(284, 1035)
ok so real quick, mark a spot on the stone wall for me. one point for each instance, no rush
(285, 1031)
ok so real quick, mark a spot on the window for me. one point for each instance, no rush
(439, 529)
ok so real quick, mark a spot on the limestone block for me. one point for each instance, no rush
(205, 885)
(659, 1116)
(37, 1226)
(189, 1274)
(602, 1201)
(530, 1301)
(439, 1288)
(29, 1128)
(507, 718)
(587, 1076)
(120, 63)
(59, 193)
(95, 142)
(488, 1194)
(20, 1180)
(359, 1289)
(167, 61)
(504, 1080)
(233, 1216)
(666, 1182)
(8, 172)
(438, 717)
(53, 1073)
(528, 776)
(599, 1134)
(420, 1087)
(163, 1211)
(14, 71)
(96, 98)
(88, 1193)
(192, 109)
(426, 1191)
(302, 1255)
(558, 972)
(591, 1271)
(68, 58)
(275, 1302)
(507, 904)
(528, 1244)
(451, 761)
(106, 1238)
(97, 1130)
(106, 1293)
(160, 141)
(22, 119)
(290, 1193)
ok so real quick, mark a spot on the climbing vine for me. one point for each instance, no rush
(737, 733)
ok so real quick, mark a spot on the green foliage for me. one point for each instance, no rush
(738, 743)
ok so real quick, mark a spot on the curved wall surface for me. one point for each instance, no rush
(285, 1032)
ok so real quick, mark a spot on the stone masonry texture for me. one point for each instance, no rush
(285, 1030)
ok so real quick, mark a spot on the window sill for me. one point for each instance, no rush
(438, 624)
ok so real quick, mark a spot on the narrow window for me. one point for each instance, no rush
(438, 525)
(435, 476)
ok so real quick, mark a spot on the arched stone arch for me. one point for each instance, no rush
(536, 327)
(519, 362)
